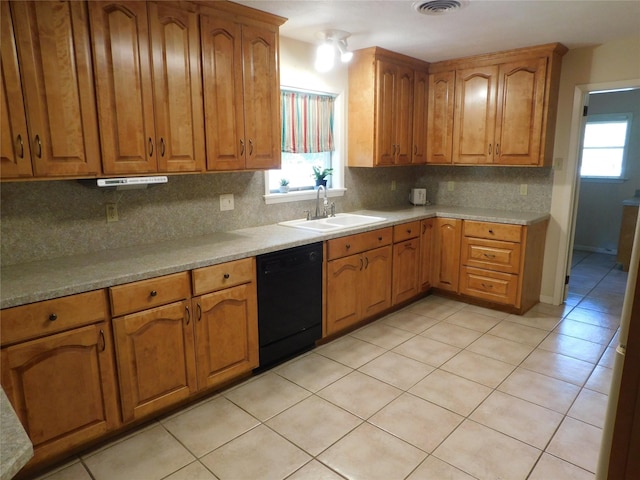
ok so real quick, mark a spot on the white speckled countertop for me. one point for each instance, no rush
(15, 448)
(43, 280)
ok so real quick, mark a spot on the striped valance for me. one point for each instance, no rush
(307, 122)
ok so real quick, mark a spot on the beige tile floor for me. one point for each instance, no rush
(439, 390)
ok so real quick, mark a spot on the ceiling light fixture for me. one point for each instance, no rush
(332, 41)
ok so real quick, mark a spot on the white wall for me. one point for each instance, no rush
(616, 61)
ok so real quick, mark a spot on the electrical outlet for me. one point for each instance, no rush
(523, 189)
(112, 212)
(450, 186)
(226, 202)
(393, 185)
(558, 163)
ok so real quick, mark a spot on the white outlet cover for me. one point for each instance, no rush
(226, 202)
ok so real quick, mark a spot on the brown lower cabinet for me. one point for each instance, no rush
(358, 285)
(406, 262)
(58, 371)
(446, 254)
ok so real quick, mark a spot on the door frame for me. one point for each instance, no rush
(564, 201)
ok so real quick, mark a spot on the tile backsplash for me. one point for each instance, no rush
(48, 219)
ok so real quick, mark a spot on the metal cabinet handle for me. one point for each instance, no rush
(103, 340)
(408, 230)
(487, 285)
(366, 262)
(424, 228)
(361, 263)
(53, 317)
(162, 147)
(348, 246)
(188, 314)
(199, 317)
(153, 293)
(250, 147)
(415, 149)
(226, 276)
(39, 144)
(491, 231)
(241, 147)
(150, 147)
(21, 143)
(489, 149)
(379, 239)
(488, 255)
(498, 149)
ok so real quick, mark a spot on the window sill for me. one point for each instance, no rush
(603, 179)
(301, 195)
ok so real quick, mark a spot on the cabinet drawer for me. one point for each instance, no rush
(492, 286)
(406, 231)
(225, 275)
(492, 231)
(154, 292)
(491, 254)
(52, 316)
(349, 245)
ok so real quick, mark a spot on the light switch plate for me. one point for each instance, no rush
(523, 189)
(226, 202)
(450, 186)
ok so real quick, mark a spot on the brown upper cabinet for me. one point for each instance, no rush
(381, 108)
(49, 125)
(148, 87)
(241, 93)
(440, 117)
(420, 117)
(504, 111)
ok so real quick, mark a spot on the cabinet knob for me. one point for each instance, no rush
(348, 246)
(226, 276)
(491, 231)
(408, 230)
(53, 317)
(153, 293)
(379, 239)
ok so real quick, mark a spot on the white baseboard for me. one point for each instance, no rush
(586, 248)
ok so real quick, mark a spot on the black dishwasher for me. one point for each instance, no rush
(289, 302)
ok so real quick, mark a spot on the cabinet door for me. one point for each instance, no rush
(261, 97)
(406, 269)
(403, 116)
(55, 65)
(226, 334)
(446, 257)
(156, 362)
(62, 387)
(420, 117)
(179, 124)
(475, 115)
(222, 85)
(15, 154)
(343, 290)
(520, 108)
(376, 281)
(386, 74)
(426, 253)
(123, 85)
(440, 117)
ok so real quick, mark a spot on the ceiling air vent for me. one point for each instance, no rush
(438, 7)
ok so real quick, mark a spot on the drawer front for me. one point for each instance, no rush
(491, 254)
(493, 231)
(52, 316)
(225, 275)
(406, 231)
(154, 292)
(491, 286)
(349, 245)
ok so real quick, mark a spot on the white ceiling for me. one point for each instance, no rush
(482, 26)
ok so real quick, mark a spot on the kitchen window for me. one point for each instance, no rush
(308, 140)
(604, 146)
